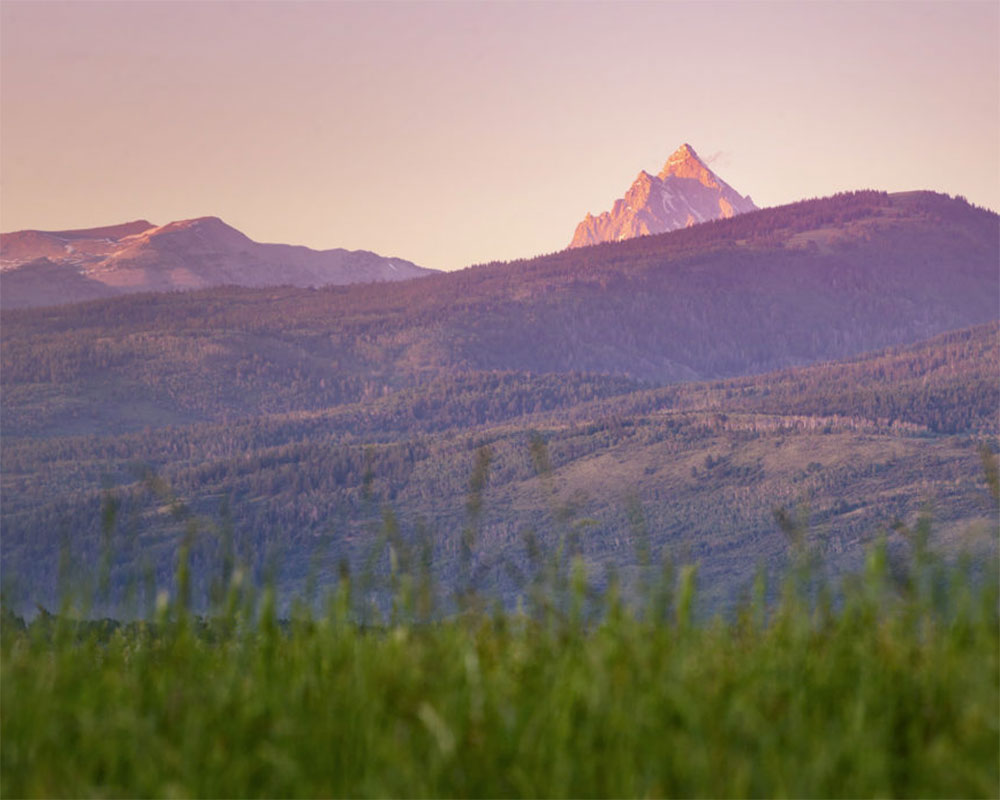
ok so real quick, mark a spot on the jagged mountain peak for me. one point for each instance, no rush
(685, 163)
(684, 193)
(683, 153)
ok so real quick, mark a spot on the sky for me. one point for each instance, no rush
(453, 133)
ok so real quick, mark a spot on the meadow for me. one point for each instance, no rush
(884, 683)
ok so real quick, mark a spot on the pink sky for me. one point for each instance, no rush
(456, 133)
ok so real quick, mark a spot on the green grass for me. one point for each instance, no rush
(886, 687)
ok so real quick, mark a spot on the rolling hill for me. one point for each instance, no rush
(607, 467)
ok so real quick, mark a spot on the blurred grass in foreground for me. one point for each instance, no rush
(883, 685)
(889, 690)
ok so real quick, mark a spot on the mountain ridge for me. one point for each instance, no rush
(56, 267)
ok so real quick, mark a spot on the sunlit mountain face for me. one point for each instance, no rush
(53, 267)
(684, 193)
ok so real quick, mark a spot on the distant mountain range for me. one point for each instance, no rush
(684, 193)
(52, 267)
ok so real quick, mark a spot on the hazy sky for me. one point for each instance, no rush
(455, 133)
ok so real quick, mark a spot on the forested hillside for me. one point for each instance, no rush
(607, 466)
(813, 281)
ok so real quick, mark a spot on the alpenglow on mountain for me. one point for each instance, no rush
(685, 193)
(39, 268)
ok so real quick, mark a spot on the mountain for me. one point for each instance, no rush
(782, 287)
(684, 193)
(53, 267)
(311, 412)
